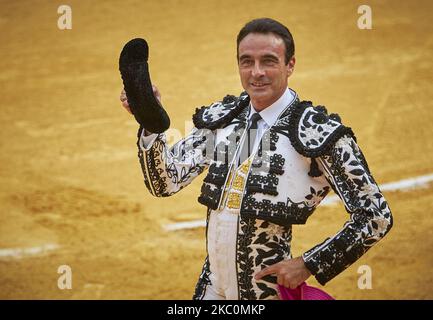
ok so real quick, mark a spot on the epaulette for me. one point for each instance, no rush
(221, 113)
(313, 133)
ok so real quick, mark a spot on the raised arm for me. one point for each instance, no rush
(168, 170)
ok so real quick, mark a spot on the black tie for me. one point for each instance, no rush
(247, 147)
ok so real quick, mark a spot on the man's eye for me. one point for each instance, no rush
(269, 61)
(246, 62)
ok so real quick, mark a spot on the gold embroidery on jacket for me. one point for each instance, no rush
(237, 187)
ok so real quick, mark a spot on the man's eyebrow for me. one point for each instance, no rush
(270, 56)
(266, 56)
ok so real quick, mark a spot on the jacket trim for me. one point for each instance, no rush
(219, 114)
(313, 132)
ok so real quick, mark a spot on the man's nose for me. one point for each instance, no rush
(258, 71)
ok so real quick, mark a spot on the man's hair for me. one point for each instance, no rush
(265, 26)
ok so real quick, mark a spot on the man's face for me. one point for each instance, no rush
(262, 68)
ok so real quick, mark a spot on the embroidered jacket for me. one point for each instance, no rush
(272, 193)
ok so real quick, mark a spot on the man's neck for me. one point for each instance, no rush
(272, 112)
(258, 106)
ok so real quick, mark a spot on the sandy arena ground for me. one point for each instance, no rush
(68, 162)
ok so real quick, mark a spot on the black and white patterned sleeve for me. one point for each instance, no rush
(370, 217)
(168, 170)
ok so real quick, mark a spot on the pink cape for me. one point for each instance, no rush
(303, 292)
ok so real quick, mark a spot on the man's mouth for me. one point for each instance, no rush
(259, 84)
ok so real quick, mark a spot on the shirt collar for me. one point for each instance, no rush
(271, 114)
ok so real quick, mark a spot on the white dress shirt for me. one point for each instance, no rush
(270, 114)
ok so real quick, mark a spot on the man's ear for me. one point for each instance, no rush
(291, 66)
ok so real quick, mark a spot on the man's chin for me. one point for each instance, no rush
(259, 94)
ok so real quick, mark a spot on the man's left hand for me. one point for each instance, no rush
(290, 273)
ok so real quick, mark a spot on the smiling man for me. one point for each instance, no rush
(264, 66)
(271, 160)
